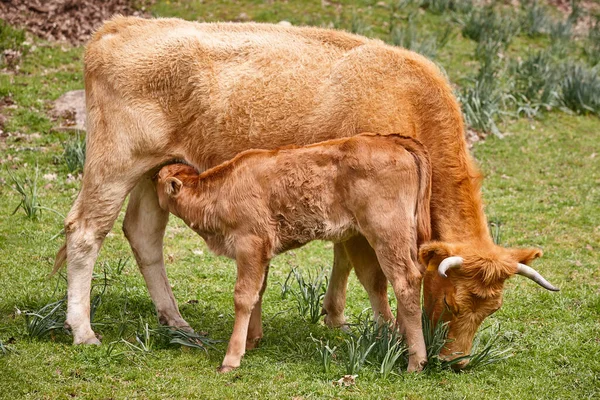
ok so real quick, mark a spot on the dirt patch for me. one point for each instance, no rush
(66, 20)
(70, 109)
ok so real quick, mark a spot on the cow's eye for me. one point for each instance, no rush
(453, 310)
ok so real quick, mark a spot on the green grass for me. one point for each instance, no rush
(542, 188)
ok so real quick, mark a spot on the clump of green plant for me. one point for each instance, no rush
(358, 25)
(383, 343)
(488, 24)
(580, 89)
(308, 294)
(13, 45)
(357, 351)
(534, 83)
(5, 348)
(592, 45)
(481, 104)
(535, 18)
(74, 154)
(495, 227)
(186, 338)
(408, 36)
(326, 353)
(27, 188)
(486, 347)
(46, 320)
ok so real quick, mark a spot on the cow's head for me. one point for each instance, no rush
(170, 181)
(463, 285)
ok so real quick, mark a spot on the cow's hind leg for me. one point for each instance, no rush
(90, 219)
(144, 226)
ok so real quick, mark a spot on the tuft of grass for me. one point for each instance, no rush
(5, 349)
(309, 293)
(13, 45)
(591, 48)
(495, 227)
(580, 89)
(534, 83)
(178, 336)
(395, 350)
(357, 350)
(326, 353)
(488, 24)
(46, 320)
(409, 37)
(481, 104)
(27, 188)
(74, 153)
(535, 18)
(486, 349)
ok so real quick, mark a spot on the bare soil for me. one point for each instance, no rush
(66, 20)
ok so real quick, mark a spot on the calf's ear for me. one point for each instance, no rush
(526, 256)
(430, 250)
(172, 186)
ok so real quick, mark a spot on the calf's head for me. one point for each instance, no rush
(171, 181)
(463, 285)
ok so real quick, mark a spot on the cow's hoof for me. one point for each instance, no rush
(223, 369)
(335, 322)
(416, 366)
(89, 340)
(178, 323)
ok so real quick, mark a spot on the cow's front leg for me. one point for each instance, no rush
(251, 271)
(144, 226)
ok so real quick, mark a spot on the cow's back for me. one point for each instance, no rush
(213, 90)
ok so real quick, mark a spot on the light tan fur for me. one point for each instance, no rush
(165, 89)
(263, 203)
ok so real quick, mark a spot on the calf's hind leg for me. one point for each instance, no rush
(144, 226)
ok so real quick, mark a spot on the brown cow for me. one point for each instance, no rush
(263, 203)
(165, 89)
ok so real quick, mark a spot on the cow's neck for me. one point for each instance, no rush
(456, 204)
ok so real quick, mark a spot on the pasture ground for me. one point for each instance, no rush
(542, 186)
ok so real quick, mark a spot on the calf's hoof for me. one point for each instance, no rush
(252, 343)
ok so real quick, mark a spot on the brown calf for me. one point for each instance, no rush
(263, 203)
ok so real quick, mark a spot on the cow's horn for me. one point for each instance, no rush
(535, 276)
(447, 263)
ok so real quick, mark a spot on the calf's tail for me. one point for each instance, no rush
(423, 164)
(424, 200)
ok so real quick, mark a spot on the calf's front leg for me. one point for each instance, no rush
(251, 271)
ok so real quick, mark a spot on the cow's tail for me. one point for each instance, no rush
(61, 258)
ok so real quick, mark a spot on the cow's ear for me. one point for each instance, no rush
(526, 256)
(431, 250)
(173, 186)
